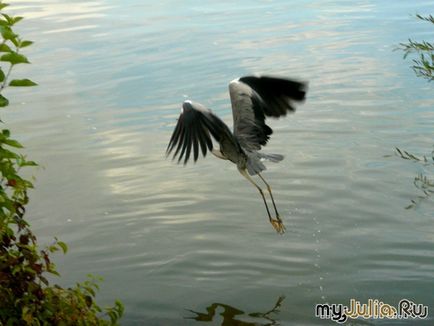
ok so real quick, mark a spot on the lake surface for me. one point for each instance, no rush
(169, 239)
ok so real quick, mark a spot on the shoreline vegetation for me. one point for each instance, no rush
(423, 66)
(27, 297)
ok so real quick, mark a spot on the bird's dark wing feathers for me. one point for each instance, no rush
(194, 129)
(276, 93)
(253, 99)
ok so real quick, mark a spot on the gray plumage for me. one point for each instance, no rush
(253, 99)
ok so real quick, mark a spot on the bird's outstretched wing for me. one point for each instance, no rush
(196, 124)
(253, 99)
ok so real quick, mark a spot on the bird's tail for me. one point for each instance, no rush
(254, 161)
(275, 158)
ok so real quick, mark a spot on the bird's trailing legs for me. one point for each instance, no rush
(271, 195)
(277, 223)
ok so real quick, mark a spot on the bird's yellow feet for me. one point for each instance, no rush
(278, 225)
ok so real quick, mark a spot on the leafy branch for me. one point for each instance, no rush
(409, 156)
(423, 65)
(26, 295)
(421, 182)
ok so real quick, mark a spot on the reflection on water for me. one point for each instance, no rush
(232, 316)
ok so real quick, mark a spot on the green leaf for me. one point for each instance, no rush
(23, 44)
(7, 33)
(22, 82)
(63, 246)
(43, 280)
(28, 163)
(3, 5)
(8, 18)
(13, 143)
(3, 101)
(53, 271)
(5, 48)
(12, 20)
(16, 41)
(2, 75)
(17, 19)
(8, 154)
(14, 58)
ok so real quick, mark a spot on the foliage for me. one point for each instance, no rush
(423, 65)
(26, 295)
(421, 181)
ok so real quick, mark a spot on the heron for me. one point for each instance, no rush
(253, 98)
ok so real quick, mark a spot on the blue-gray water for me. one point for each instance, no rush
(168, 239)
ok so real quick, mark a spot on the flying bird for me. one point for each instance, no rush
(253, 99)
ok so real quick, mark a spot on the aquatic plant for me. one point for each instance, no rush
(27, 297)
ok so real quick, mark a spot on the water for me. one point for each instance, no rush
(169, 239)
